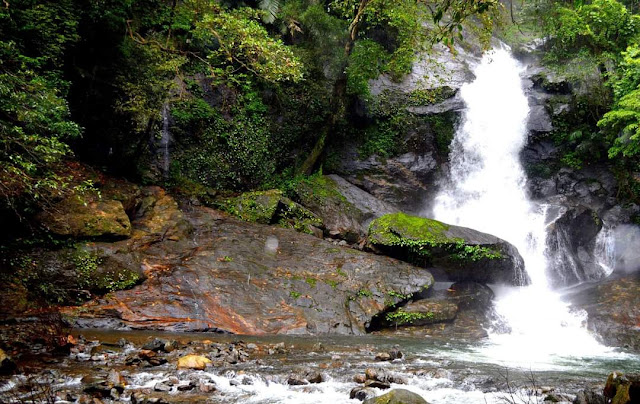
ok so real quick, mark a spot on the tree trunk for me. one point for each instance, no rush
(338, 96)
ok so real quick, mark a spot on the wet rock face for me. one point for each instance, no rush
(571, 241)
(439, 68)
(613, 308)
(461, 254)
(224, 278)
(159, 215)
(402, 181)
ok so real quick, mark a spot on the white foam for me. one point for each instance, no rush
(487, 192)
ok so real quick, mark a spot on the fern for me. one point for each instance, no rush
(624, 121)
(271, 8)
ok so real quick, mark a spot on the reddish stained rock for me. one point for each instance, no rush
(221, 278)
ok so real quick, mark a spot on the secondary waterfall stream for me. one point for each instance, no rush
(486, 190)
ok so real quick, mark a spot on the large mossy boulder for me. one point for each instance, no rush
(421, 312)
(272, 207)
(461, 254)
(345, 209)
(397, 396)
(74, 217)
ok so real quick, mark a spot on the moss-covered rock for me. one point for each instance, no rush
(100, 273)
(123, 191)
(462, 311)
(321, 195)
(272, 207)
(622, 389)
(344, 208)
(461, 253)
(421, 312)
(255, 207)
(397, 396)
(70, 275)
(74, 217)
(7, 366)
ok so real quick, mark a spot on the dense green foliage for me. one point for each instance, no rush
(34, 118)
(244, 88)
(622, 124)
(248, 89)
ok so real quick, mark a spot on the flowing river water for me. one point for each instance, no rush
(537, 344)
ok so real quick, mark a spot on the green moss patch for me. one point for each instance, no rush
(402, 317)
(271, 207)
(400, 229)
(423, 242)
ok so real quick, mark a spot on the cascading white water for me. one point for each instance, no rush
(486, 191)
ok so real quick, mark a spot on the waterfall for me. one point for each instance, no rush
(165, 139)
(486, 190)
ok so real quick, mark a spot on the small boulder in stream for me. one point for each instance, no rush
(397, 396)
(7, 366)
(623, 388)
(462, 254)
(193, 362)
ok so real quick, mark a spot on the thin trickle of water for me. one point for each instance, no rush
(164, 140)
(486, 191)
